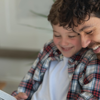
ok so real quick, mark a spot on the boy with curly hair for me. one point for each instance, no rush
(63, 70)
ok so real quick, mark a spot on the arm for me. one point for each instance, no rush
(88, 81)
(31, 81)
(91, 83)
(28, 84)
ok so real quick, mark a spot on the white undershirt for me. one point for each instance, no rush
(55, 82)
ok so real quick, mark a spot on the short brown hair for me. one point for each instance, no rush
(74, 12)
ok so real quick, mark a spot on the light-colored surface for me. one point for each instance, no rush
(6, 96)
(11, 86)
(16, 36)
(42, 7)
(12, 71)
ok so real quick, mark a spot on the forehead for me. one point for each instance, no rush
(61, 29)
(92, 22)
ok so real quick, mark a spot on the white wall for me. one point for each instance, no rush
(14, 69)
(17, 36)
(13, 35)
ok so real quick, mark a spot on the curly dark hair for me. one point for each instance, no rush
(54, 14)
(74, 12)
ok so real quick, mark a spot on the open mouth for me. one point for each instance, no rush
(67, 49)
(96, 49)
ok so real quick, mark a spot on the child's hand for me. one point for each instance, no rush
(21, 96)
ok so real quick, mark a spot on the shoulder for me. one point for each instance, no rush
(88, 58)
(48, 49)
(85, 55)
(50, 46)
(88, 54)
(49, 43)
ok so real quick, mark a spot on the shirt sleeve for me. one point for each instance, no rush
(90, 82)
(26, 85)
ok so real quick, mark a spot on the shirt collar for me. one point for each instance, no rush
(57, 54)
(78, 55)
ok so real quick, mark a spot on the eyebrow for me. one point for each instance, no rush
(66, 32)
(55, 31)
(85, 27)
(70, 30)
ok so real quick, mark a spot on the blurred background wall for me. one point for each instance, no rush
(22, 34)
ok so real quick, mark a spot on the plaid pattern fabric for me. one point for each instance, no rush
(84, 73)
(85, 76)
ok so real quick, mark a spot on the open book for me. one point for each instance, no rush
(6, 96)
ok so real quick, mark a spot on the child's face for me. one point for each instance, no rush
(68, 42)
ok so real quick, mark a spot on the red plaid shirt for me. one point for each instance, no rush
(83, 68)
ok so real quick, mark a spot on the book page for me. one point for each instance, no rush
(6, 96)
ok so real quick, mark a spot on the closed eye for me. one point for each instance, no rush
(89, 32)
(57, 35)
(71, 36)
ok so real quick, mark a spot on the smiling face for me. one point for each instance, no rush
(90, 34)
(67, 41)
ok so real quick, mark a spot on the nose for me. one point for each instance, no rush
(64, 42)
(85, 41)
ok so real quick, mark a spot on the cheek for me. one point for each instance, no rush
(96, 37)
(55, 40)
(77, 42)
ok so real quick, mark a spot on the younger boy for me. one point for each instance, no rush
(62, 70)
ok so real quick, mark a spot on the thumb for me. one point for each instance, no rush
(21, 95)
